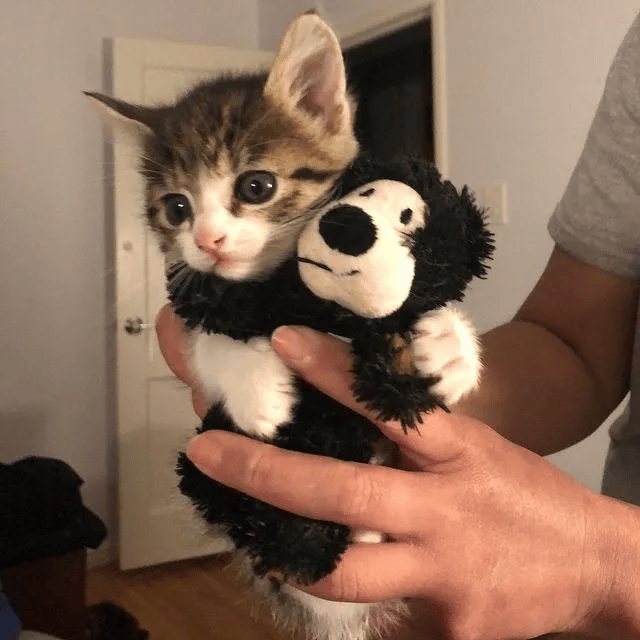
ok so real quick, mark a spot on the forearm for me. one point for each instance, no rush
(555, 373)
(535, 390)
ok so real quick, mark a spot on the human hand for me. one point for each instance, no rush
(490, 539)
(172, 339)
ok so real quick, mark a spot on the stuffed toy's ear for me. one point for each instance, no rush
(454, 247)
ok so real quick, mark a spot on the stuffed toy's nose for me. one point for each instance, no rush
(348, 229)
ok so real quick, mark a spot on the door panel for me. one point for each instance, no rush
(155, 417)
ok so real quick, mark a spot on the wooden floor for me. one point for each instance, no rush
(192, 600)
(198, 600)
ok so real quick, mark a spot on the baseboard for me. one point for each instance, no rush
(105, 554)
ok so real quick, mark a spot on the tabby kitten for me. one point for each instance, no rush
(235, 167)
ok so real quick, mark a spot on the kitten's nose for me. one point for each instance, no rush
(210, 242)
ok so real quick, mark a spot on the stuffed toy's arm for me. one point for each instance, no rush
(402, 376)
(387, 381)
(445, 346)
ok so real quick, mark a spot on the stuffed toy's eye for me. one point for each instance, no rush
(177, 208)
(255, 187)
(405, 216)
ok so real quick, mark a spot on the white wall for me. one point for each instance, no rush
(55, 321)
(523, 81)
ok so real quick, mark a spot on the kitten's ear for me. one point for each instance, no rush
(131, 118)
(308, 76)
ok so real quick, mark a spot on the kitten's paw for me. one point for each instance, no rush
(255, 387)
(267, 394)
(372, 537)
(445, 346)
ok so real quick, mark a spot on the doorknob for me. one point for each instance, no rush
(134, 326)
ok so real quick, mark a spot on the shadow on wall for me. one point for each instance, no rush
(31, 423)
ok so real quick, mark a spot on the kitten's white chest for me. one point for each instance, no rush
(256, 388)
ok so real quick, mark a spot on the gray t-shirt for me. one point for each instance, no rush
(598, 222)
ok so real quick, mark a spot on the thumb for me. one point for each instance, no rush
(326, 362)
(172, 340)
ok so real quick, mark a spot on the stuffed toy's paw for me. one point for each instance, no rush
(386, 380)
(445, 348)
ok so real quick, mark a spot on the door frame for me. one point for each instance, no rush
(385, 21)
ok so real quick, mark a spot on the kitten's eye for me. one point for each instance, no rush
(255, 187)
(177, 208)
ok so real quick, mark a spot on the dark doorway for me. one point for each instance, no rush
(392, 79)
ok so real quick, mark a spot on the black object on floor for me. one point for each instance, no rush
(42, 512)
(107, 621)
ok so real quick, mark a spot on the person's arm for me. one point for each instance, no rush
(489, 539)
(554, 373)
(484, 532)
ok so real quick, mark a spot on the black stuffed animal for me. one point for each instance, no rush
(389, 253)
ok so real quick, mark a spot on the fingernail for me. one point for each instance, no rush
(204, 453)
(295, 344)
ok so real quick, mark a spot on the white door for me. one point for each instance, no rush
(155, 417)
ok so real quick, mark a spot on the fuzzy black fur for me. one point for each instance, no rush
(452, 249)
(312, 548)
(391, 394)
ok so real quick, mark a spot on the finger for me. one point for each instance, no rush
(200, 403)
(358, 495)
(327, 363)
(373, 572)
(172, 340)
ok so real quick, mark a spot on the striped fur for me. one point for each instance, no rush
(295, 122)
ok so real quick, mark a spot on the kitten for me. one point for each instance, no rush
(236, 166)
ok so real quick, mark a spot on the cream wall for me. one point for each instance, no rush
(345, 16)
(55, 324)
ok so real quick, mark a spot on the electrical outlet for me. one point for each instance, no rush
(494, 201)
